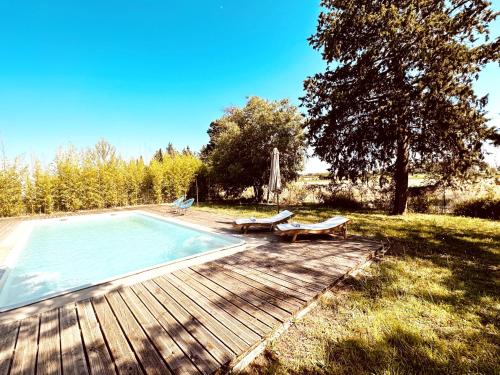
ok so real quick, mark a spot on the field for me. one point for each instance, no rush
(430, 305)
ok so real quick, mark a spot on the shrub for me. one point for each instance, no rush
(295, 193)
(485, 207)
(342, 200)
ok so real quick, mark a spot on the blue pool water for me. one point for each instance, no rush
(78, 252)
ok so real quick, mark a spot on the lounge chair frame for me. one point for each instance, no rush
(339, 229)
(245, 226)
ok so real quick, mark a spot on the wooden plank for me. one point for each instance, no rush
(149, 358)
(24, 362)
(98, 355)
(283, 300)
(72, 351)
(215, 346)
(293, 292)
(200, 357)
(171, 353)
(291, 267)
(246, 293)
(231, 340)
(264, 267)
(253, 310)
(297, 286)
(122, 353)
(275, 297)
(49, 349)
(228, 320)
(8, 338)
(222, 303)
(288, 264)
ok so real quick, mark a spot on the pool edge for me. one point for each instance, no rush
(128, 278)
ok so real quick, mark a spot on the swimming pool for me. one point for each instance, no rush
(61, 255)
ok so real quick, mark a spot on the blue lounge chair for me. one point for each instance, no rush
(184, 206)
(175, 204)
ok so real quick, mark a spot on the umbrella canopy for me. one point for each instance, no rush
(274, 176)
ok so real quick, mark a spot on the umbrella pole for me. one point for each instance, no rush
(278, 198)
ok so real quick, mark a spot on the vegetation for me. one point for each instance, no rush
(397, 94)
(485, 207)
(430, 306)
(95, 178)
(241, 141)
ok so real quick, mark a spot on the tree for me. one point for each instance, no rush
(397, 91)
(170, 149)
(241, 141)
(158, 155)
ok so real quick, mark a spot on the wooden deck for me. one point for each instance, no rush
(200, 319)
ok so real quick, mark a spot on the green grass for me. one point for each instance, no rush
(431, 305)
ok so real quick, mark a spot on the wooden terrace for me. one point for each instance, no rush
(204, 318)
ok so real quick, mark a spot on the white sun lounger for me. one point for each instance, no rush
(269, 222)
(337, 223)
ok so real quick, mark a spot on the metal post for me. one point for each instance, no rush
(196, 182)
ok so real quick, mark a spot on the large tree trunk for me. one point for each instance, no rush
(401, 176)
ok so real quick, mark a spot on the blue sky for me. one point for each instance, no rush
(145, 73)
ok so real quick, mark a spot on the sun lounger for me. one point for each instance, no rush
(330, 226)
(268, 223)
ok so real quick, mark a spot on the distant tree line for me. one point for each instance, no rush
(94, 178)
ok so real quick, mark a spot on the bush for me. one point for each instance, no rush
(484, 207)
(342, 200)
(295, 193)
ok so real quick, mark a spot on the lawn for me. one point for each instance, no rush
(431, 305)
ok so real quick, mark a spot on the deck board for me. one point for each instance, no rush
(191, 349)
(241, 315)
(49, 349)
(210, 342)
(245, 292)
(165, 345)
(72, 351)
(99, 358)
(231, 340)
(8, 338)
(262, 316)
(213, 309)
(144, 350)
(24, 362)
(200, 319)
(122, 353)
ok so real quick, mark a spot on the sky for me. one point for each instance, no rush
(145, 73)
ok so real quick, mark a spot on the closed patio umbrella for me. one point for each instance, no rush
(274, 175)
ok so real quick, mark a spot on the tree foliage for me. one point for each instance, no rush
(397, 92)
(92, 179)
(241, 142)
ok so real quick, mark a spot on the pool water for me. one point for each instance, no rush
(68, 254)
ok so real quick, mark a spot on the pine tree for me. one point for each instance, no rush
(171, 150)
(158, 155)
(397, 93)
